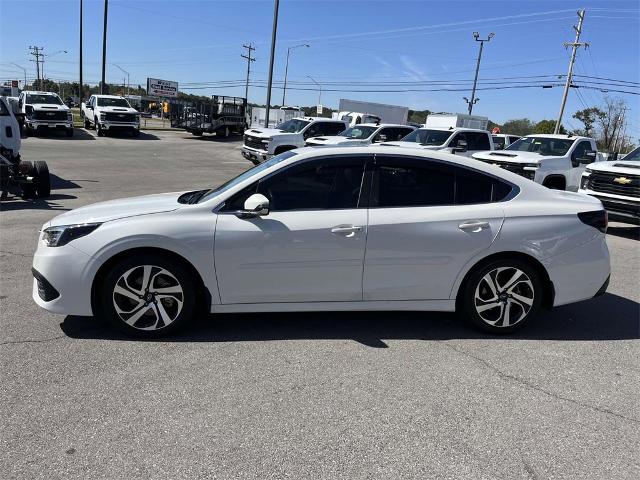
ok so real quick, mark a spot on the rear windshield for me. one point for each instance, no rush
(427, 137)
(48, 99)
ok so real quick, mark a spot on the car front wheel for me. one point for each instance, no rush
(148, 296)
(503, 296)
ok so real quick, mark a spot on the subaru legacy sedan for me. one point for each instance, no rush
(332, 229)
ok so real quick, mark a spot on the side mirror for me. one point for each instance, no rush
(461, 146)
(588, 156)
(257, 205)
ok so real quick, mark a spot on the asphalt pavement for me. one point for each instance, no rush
(300, 395)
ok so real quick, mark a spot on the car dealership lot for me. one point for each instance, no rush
(341, 395)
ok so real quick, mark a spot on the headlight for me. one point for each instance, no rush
(584, 181)
(70, 116)
(63, 234)
(102, 117)
(266, 142)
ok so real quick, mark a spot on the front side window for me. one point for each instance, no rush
(113, 102)
(581, 148)
(323, 184)
(477, 141)
(401, 182)
(542, 145)
(633, 156)
(359, 132)
(427, 137)
(43, 99)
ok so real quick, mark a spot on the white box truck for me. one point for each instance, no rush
(456, 120)
(363, 111)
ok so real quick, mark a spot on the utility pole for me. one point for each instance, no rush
(273, 51)
(80, 86)
(286, 70)
(575, 45)
(474, 100)
(250, 48)
(103, 88)
(37, 53)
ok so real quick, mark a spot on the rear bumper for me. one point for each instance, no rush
(580, 273)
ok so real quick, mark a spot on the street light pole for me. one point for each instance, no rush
(273, 51)
(80, 86)
(126, 73)
(286, 70)
(320, 90)
(473, 100)
(103, 88)
(49, 55)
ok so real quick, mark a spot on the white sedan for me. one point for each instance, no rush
(364, 228)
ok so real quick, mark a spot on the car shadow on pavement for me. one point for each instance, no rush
(214, 138)
(49, 203)
(631, 232)
(608, 317)
(78, 134)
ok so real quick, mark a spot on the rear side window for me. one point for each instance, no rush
(332, 128)
(477, 141)
(401, 182)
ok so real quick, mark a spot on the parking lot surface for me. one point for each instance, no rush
(313, 395)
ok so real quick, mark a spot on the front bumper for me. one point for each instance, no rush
(62, 280)
(35, 124)
(254, 155)
(620, 209)
(119, 126)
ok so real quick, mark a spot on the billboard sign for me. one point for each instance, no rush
(162, 88)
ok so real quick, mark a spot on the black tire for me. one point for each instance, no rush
(499, 319)
(69, 132)
(99, 130)
(42, 179)
(555, 183)
(28, 190)
(87, 123)
(196, 133)
(223, 132)
(135, 132)
(151, 317)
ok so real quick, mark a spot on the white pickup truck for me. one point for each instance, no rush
(363, 134)
(461, 141)
(617, 185)
(44, 110)
(261, 144)
(555, 161)
(108, 113)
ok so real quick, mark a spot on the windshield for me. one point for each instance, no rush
(542, 145)
(427, 137)
(358, 132)
(48, 99)
(498, 142)
(112, 102)
(214, 192)
(292, 126)
(634, 155)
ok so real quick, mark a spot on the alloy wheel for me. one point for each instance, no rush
(504, 297)
(148, 297)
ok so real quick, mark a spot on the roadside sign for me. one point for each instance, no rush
(319, 109)
(162, 88)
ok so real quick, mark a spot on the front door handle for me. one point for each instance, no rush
(346, 230)
(473, 225)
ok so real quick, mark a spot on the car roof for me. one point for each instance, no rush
(383, 125)
(38, 92)
(314, 119)
(556, 135)
(106, 96)
(454, 129)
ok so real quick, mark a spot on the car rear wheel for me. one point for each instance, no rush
(87, 123)
(99, 130)
(502, 297)
(28, 190)
(148, 296)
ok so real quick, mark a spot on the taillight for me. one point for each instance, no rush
(597, 219)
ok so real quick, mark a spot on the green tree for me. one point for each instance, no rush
(548, 126)
(520, 126)
(588, 117)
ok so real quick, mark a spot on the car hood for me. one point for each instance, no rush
(513, 157)
(120, 208)
(336, 140)
(629, 167)
(116, 110)
(413, 145)
(266, 132)
(49, 107)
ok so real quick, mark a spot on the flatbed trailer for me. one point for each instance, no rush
(221, 115)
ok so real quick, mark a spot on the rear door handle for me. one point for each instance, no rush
(473, 225)
(346, 230)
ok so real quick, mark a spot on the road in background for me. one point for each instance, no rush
(300, 395)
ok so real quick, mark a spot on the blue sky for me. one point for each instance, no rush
(194, 42)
